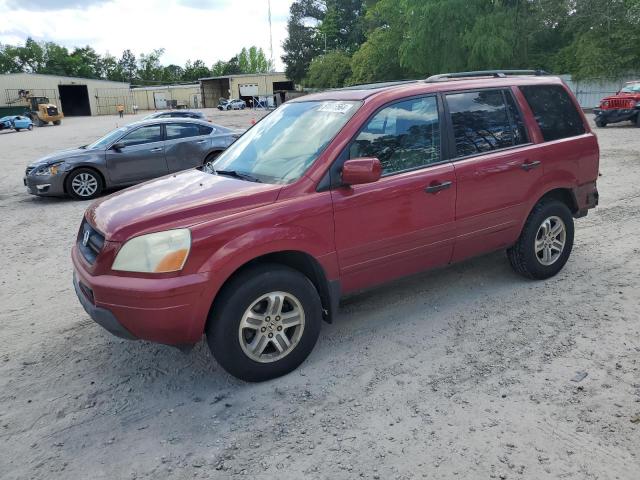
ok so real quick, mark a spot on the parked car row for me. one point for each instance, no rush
(128, 155)
(330, 194)
(16, 122)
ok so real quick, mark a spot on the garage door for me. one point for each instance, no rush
(248, 90)
(160, 99)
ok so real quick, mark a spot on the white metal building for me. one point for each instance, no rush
(168, 96)
(272, 86)
(74, 96)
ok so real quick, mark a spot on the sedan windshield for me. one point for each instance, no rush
(282, 146)
(107, 139)
(633, 88)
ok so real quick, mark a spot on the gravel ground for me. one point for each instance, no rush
(466, 372)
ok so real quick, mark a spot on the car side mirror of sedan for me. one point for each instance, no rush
(117, 146)
(361, 170)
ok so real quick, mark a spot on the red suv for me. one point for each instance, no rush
(623, 106)
(333, 193)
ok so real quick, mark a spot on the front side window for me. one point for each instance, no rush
(403, 136)
(285, 143)
(554, 110)
(481, 122)
(103, 142)
(149, 134)
(182, 130)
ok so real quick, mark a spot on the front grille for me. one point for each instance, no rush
(619, 103)
(29, 170)
(90, 242)
(52, 111)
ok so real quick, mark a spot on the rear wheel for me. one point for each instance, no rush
(265, 322)
(57, 122)
(546, 241)
(41, 123)
(84, 184)
(30, 127)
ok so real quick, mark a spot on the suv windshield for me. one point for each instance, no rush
(107, 139)
(282, 146)
(633, 88)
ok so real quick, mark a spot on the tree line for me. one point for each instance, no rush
(146, 69)
(332, 43)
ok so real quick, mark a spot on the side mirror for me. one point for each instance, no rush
(361, 170)
(117, 146)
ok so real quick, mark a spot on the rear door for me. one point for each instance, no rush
(140, 158)
(187, 145)
(497, 169)
(404, 222)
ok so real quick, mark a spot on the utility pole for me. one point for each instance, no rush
(270, 38)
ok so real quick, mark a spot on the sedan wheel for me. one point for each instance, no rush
(84, 184)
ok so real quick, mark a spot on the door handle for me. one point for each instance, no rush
(526, 166)
(435, 188)
(201, 141)
(157, 149)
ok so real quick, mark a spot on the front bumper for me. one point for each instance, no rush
(45, 185)
(170, 310)
(615, 116)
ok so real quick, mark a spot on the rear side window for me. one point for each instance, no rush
(403, 136)
(182, 130)
(555, 113)
(482, 122)
(205, 130)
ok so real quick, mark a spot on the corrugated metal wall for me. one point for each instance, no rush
(188, 96)
(47, 85)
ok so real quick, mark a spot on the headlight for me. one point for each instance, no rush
(50, 169)
(155, 253)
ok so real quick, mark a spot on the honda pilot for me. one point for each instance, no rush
(333, 193)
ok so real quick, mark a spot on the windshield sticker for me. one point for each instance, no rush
(335, 107)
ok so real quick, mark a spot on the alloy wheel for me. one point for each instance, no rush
(550, 240)
(271, 327)
(84, 184)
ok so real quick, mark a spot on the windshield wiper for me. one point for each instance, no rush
(236, 174)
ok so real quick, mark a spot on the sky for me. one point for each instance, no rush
(209, 30)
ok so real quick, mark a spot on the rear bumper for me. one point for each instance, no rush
(587, 197)
(614, 116)
(169, 310)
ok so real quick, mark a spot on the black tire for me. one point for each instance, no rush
(30, 127)
(522, 255)
(17, 129)
(223, 327)
(636, 122)
(600, 123)
(41, 123)
(71, 191)
(57, 122)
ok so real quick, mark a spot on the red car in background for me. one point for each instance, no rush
(333, 193)
(621, 107)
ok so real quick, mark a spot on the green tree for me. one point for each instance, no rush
(128, 65)
(253, 60)
(149, 68)
(330, 70)
(194, 71)
(304, 41)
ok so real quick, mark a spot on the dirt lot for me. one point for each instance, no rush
(464, 372)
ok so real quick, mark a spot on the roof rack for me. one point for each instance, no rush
(484, 73)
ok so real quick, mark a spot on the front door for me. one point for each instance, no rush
(404, 222)
(140, 157)
(496, 167)
(187, 145)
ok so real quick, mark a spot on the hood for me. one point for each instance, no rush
(63, 155)
(175, 201)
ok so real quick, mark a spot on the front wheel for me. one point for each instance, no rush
(84, 184)
(57, 122)
(265, 322)
(30, 127)
(600, 123)
(546, 241)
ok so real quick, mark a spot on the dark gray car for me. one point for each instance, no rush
(129, 155)
(176, 114)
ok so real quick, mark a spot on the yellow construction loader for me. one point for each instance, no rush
(39, 109)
